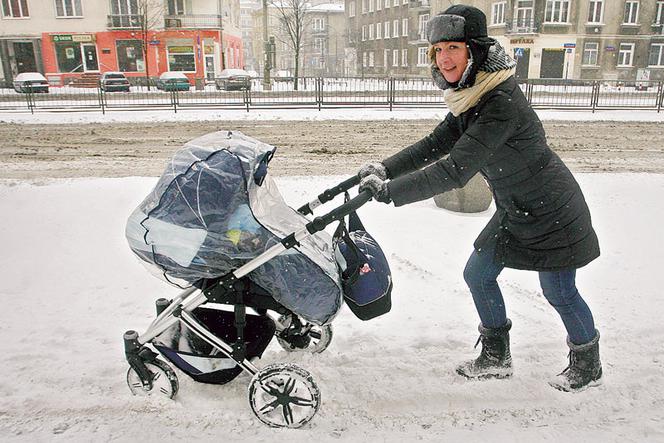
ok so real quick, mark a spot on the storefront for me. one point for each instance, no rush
(198, 53)
(18, 55)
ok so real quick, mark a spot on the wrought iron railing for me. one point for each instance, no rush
(193, 21)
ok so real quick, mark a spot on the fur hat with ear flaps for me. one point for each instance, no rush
(461, 23)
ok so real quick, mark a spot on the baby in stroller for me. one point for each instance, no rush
(216, 226)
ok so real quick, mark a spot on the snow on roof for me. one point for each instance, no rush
(332, 7)
(29, 76)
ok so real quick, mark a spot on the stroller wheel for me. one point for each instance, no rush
(294, 336)
(164, 380)
(284, 396)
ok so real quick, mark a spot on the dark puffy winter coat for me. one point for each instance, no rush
(542, 221)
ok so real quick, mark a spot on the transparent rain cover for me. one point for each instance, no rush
(215, 208)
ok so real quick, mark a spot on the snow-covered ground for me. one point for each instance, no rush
(71, 287)
(359, 113)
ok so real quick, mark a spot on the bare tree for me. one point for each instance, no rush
(293, 19)
(150, 17)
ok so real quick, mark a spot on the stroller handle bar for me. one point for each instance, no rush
(329, 194)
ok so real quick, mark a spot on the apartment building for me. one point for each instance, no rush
(323, 41)
(247, 10)
(566, 39)
(65, 39)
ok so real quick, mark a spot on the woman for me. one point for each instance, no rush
(542, 222)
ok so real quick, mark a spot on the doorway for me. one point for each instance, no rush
(209, 68)
(90, 62)
(24, 53)
(553, 62)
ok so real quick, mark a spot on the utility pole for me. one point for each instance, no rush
(220, 13)
(267, 59)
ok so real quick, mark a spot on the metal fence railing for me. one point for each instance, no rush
(316, 92)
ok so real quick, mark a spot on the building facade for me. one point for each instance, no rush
(564, 39)
(65, 39)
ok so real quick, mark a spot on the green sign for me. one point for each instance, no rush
(62, 38)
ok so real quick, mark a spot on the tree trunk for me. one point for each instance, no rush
(297, 69)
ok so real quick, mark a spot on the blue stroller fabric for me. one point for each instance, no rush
(215, 208)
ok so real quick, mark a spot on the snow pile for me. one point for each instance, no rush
(71, 287)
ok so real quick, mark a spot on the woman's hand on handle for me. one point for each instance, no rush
(373, 168)
(377, 186)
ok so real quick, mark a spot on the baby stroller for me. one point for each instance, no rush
(216, 226)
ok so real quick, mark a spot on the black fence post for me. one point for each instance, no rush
(319, 92)
(529, 91)
(174, 100)
(390, 92)
(246, 95)
(595, 95)
(30, 98)
(101, 97)
(660, 96)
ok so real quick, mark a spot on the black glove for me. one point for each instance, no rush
(377, 187)
(373, 168)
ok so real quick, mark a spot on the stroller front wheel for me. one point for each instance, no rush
(284, 395)
(164, 380)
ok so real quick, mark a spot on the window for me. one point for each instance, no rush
(379, 5)
(318, 44)
(15, 8)
(395, 3)
(595, 11)
(371, 31)
(351, 9)
(631, 12)
(181, 58)
(371, 59)
(404, 27)
(386, 30)
(590, 51)
(176, 7)
(422, 26)
(364, 59)
(379, 30)
(364, 6)
(422, 57)
(68, 8)
(318, 24)
(404, 2)
(557, 11)
(523, 13)
(130, 55)
(395, 57)
(659, 14)
(371, 5)
(68, 56)
(404, 57)
(498, 13)
(626, 54)
(656, 57)
(364, 32)
(387, 4)
(395, 28)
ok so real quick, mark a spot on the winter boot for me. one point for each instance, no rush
(495, 360)
(584, 369)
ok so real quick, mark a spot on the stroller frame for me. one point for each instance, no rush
(233, 289)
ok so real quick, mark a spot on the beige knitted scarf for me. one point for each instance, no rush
(461, 100)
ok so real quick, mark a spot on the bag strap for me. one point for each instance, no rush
(352, 271)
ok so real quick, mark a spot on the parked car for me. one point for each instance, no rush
(173, 81)
(113, 81)
(282, 76)
(233, 79)
(30, 82)
(253, 74)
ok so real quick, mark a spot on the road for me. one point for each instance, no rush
(304, 147)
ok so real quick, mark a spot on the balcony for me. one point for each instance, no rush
(521, 26)
(124, 21)
(319, 31)
(193, 21)
(419, 5)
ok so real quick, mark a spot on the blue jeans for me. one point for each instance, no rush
(559, 289)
